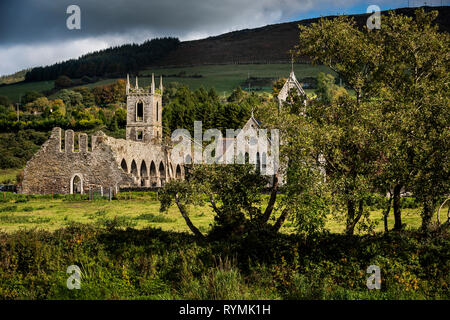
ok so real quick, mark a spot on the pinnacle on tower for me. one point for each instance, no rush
(160, 84)
(128, 83)
(153, 83)
(137, 86)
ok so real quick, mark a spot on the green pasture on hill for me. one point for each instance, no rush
(15, 91)
(224, 78)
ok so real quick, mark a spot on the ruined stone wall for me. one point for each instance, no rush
(52, 170)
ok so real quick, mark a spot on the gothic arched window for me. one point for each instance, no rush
(140, 111)
(157, 111)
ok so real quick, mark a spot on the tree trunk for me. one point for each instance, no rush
(350, 216)
(280, 220)
(189, 223)
(352, 220)
(397, 211)
(273, 198)
(386, 214)
(427, 213)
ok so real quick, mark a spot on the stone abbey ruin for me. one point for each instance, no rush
(141, 160)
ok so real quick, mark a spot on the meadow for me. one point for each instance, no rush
(138, 210)
(224, 78)
(8, 176)
(15, 91)
(127, 249)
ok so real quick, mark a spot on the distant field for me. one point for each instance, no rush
(224, 78)
(227, 77)
(140, 211)
(15, 91)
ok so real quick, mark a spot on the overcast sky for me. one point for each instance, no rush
(34, 32)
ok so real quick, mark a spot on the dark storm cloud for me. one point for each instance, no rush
(27, 21)
(34, 32)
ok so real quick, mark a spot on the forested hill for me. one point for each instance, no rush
(111, 62)
(269, 44)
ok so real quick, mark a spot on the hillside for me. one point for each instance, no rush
(269, 44)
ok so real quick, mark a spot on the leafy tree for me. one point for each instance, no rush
(325, 87)
(37, 105)
(233, 191)
(404, 68)
(88, 96)
(63, 82)
(277, 86)
(5, 101)
(110, 93)
(70, 97)
(414, 73)
(30, 96)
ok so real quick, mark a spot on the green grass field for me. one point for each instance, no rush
(15, 91)
(224, 78)
(8, 176)
(140, 212)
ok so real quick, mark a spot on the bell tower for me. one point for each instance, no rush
(144, 112)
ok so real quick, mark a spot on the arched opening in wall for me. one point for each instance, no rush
(162, 174)
(247, 158)
(140, 111)
(264, 161)
(258, 163)
(144, 173)
(153, 176)
(188, 159)
(178, 173)
(157, 111)
(134, 170)
(76, 184)
(124, 166)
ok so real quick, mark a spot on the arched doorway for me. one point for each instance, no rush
(178, 173)
(162, 174)
(76, 184)
(144, 173)
(134, 170)
(153, 175)
(124, 166)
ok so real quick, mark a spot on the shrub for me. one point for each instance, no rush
(150, 217)
(8, 209)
